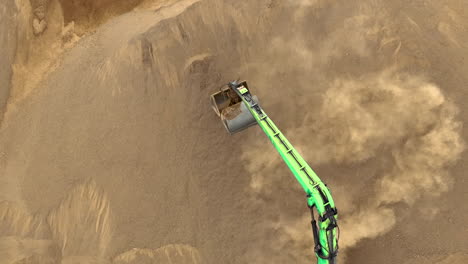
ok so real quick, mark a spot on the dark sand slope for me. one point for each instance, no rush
(116, 156)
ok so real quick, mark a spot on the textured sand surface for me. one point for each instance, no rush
(110, 151)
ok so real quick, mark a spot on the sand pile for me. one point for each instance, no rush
(110, 151)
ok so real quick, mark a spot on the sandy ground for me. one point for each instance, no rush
(110, 152)
(8, 50)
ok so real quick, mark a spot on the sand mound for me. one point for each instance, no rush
(81, 225)
(128, 107)
(170, 254)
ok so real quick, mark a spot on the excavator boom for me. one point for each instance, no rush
(239, 109)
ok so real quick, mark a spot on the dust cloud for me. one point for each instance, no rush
(404, 119)
(401, 121)
(397, 121)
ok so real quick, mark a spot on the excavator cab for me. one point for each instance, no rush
(228, 105)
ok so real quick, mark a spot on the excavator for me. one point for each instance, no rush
(238, 109)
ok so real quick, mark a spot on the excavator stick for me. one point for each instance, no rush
(234, 114)
(238, 110)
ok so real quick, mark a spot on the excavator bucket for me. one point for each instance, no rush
(233, 112)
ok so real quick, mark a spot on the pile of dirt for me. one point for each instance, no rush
(113, 153)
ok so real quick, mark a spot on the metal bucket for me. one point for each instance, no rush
(233, 112)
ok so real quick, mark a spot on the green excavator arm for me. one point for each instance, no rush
(324, 229)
